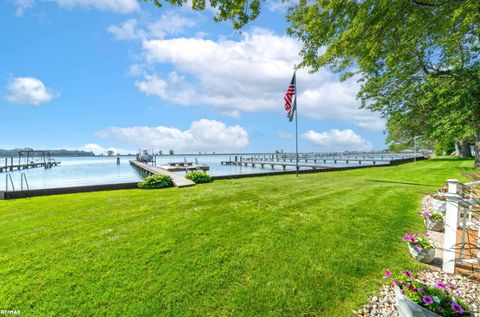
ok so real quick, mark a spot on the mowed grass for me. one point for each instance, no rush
(316, 245)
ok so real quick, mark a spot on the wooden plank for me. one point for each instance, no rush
(178, 180)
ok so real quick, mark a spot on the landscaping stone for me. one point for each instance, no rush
(422, 255)
(437, 225)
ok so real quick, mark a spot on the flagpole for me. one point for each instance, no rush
(296, 126)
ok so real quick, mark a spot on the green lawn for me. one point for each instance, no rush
(277, 246)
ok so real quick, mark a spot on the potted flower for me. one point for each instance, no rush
(420, 246)
(414, 298)
(433, 221)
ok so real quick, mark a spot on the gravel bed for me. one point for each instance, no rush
(383, 303)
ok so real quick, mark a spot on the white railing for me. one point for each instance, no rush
(461, 212)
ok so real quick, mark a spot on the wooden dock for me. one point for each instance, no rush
(180, 168)
(324, 160)
(178, 180)
(17, 167)
(271, 164)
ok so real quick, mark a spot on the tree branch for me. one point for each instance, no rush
(432, 4)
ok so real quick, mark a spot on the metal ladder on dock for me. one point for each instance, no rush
(24, 186)
(23, 179)
(8, 177)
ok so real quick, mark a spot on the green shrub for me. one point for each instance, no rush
(156, 181)
(199, 177)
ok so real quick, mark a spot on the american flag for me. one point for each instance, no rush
(290, 98)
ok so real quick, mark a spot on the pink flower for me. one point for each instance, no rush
(440, 285)
(388, 273)
(426, 214)
(427, 300)
(457, 308)
(407, 273)
(407, 236)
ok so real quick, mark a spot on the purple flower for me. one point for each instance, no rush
(450, 285)
(388, 273)
(407, 236)
(428, 300)
(426, 214)
(440, 285)
(457, 308)
(407, 273)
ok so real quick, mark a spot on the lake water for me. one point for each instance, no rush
(79, 171)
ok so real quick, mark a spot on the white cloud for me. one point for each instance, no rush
(203, 135)
(97, 149)
(338, 140)
(279, 5)
(248, 75)
(22, 5)
(168, 24)
(119, 6)
(28, 91)
(284, 135)
(125, 31)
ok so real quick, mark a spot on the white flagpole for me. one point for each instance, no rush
(296, 124)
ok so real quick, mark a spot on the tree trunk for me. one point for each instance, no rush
(462, 148)
(476, 125)
(457, 148)
(477, 148)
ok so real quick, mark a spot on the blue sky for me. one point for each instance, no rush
(95, 75)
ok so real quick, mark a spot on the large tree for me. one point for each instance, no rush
(398, 48)
(394, 47)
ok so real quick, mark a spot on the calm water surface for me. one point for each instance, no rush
(79, 171)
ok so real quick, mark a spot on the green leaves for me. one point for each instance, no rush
(156, 182)
(199, 177)
(239, 12)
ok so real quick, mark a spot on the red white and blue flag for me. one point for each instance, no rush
(291, 98)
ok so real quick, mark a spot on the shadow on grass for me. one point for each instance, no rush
(450, 159)
(396, 182)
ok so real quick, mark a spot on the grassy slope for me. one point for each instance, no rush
(278, 246)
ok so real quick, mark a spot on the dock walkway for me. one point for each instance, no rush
(178, 180)
(18, 167)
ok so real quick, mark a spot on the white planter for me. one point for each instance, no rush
(439, 206)
(421, 254)
(435, 225)
(408, 308)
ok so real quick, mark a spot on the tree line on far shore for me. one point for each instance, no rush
(54, 153)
